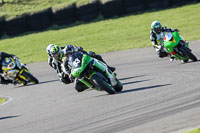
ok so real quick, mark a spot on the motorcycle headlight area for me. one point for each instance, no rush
(11, 65)
(12, 73)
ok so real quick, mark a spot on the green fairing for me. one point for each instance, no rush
(169, 45)
(88, 84)
(85, 61)
(79, 63)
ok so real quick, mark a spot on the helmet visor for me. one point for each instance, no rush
(56, 55)
(157, 30)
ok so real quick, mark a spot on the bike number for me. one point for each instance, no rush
(76, 62)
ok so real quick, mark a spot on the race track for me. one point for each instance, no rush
(159, 96)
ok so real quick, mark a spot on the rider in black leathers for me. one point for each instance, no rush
(3, 55)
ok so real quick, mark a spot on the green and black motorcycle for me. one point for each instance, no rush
(177, 47)
(93, 73)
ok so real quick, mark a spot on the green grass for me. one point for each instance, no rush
(106, 35)
(193, 131)
(13, 8)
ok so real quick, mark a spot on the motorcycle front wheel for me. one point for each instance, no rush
(103, 85)
(118, 87)
(30, 77)
(187, 52)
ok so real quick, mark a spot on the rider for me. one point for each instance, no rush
(157, 38)
(3, 55)
(69, 49)
(91, 53)
(55, 60)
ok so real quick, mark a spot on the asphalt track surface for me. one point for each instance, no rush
(159, 96)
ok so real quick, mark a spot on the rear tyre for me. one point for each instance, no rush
(30, 77)
(99, 83)
(187, 52)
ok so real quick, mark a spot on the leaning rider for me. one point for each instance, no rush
(70, 49)
(157, 34)
(4, 55)
(55, 60)
(90, 53)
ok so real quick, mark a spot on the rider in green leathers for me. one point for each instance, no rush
(157, 34)
(69, 49)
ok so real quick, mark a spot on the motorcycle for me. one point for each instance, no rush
(177, 47)
(17, 72)
(93, 73)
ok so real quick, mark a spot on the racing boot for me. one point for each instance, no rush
(111, 68)
(101, 59)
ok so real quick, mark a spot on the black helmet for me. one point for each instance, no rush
(69, 49)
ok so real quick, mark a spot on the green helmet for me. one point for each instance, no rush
(55, 51)
(156, 27)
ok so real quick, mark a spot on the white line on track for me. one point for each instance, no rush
(8, 99)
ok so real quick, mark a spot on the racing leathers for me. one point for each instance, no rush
(57, 65)
(3, 55)
(50, 60)
(157, 41)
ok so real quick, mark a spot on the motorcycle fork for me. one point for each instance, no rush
(21, 76)
(88, 84)
(179, 55)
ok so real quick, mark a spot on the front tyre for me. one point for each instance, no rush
(118, 87)
(30, 77)
(103, 85)
(187, 52)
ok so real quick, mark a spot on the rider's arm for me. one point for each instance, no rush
(153, 39)
(66, 66)
(81, 49)
(51, 63)
(4, 55)
(167, 29)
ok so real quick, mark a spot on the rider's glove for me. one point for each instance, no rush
(53, 65)
(71, 78)
(175, 30)
(159, 47)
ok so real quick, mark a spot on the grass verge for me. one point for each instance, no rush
(106, 35)
(197, 130)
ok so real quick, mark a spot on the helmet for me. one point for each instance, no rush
(55, 51)
(48, 48)
(69, 49)
(156, 27)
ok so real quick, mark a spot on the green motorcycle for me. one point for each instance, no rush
(177, 47)
(93, 73)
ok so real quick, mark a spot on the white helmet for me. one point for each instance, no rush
(49, 48)
(156, 27)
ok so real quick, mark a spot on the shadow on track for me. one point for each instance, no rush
(189, 62)
(133, 82)
(8, 117)
(43, 82)
(132, 77)
(142, 88)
